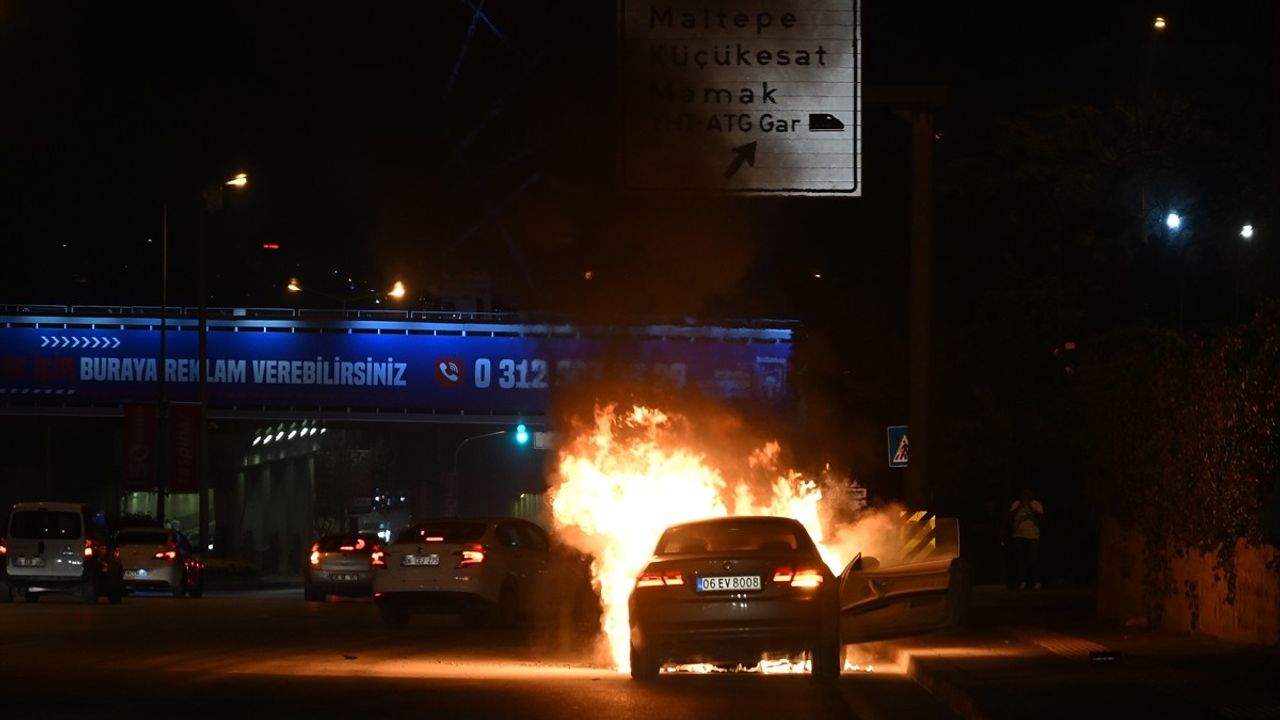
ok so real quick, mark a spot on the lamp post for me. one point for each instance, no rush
(212, 203)
(162, 410)
(522, 438)
(458, 452)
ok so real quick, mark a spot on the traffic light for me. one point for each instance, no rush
(522, 434)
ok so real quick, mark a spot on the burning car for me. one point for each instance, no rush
(734, 590)
(730, 590)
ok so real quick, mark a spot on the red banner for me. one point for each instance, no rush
(139, 446)
(185, 436)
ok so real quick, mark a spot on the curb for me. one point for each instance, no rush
(947, 693)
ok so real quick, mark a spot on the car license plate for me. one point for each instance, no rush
(724, 583)
(343, 577)
(135, 573)
(29, 562)
(420, 560)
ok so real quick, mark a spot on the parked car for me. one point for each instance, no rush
(58, 547)
(156, 558)
(501, 570)
(340, 565)
(730, 590)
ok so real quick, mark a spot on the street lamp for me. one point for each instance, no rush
(1246, 231)
(1173, 221)
(1160, 23)
(396, 292)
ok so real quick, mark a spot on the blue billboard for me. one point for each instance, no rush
(409, 367)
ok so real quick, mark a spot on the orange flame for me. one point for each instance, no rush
(624, 479)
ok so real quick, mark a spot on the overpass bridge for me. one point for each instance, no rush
(408, 366)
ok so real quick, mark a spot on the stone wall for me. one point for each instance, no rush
(1195, 599)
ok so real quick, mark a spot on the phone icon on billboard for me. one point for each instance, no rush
(449, 371)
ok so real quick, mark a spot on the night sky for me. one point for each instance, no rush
(381, 148)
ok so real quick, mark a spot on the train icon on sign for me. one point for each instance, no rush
(825, 122)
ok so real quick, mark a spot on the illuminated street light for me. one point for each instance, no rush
(1160, 23)
(1173, 221)
(294, 285)
(397, 291)
(239, 181)
(1246, 232)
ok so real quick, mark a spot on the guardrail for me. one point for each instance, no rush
(434, 316)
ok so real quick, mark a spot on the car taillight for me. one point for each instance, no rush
(4, 549)
(376, 558)
(471, 555)
(166, 555)
(88, 548)
(656, 579)
(798, 577)
(315, 554)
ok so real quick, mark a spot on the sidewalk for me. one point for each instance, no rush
(1026, 654)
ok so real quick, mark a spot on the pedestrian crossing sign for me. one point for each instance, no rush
(899, 446)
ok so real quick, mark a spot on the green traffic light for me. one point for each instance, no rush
(522, 434)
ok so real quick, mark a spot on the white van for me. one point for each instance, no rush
(58, 547)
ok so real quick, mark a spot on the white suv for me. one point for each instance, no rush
(484, 569)
(58, 547)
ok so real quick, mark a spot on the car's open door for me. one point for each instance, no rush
(918, 586)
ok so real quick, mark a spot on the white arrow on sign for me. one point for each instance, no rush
(116, 341)
(43, 341)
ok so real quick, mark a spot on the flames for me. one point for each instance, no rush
(626, 476)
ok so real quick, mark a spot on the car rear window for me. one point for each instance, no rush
(142, 537)
(720, 536)
(350, 541)
(44, 525)
(448, 532)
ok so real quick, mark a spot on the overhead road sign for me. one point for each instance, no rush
(760, 97)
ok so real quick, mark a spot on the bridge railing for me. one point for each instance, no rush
(285, 313)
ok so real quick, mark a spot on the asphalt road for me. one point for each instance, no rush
(271, 654)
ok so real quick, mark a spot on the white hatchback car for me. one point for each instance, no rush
(156, 558)
(483, 569)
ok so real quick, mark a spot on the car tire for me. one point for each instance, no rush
(479, 615)
(643, 666)
(28, 596)
(6, 593)
(508, 610)
(311, 594)
(179, 590)
(826, 658)
(393, 617)
(89, 591)
(197, 591)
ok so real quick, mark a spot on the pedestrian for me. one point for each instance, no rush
(1025, 517)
